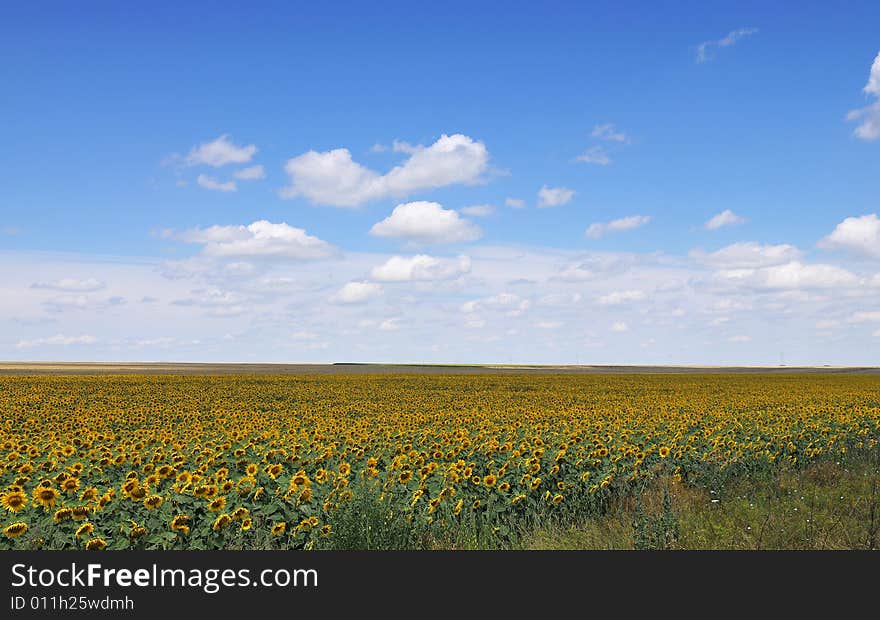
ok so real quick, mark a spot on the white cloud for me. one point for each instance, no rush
(616, 298)
(869, 129)
(420, 267)
(215, 185)
(478, 210)
(827, 324)
(860, 235)
(606, 131)
(253, 173)
(619, 327)
(389, 325)
(426, 222)
(598, 229)
(509, 303)
(864, 316)
(333, 178)
(259, 239)
(554, 196)
(706, 48)
(57, 340)
(548, 324)
(725, 218)
(740, 339)
(594, 155)
(220, 152)
(748, 254)
(356, 292)
(793, 275)
(515, 203)
(72, 285)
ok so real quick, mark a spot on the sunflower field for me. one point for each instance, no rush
(268, 462)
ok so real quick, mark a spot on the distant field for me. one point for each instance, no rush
(143, 368)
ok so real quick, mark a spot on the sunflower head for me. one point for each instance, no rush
(16, 529)
(96, 544)
(14, 501)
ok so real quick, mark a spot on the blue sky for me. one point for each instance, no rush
(127, 130)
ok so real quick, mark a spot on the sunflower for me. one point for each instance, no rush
(557, 499)
(273, 471)
(278, 528)
(153, 502)
(89, 494)
(86, 529)
(490, 480)
(476, 504)
(221, 522)
(217, 504)
(62, 514)
(16, 529)
(535, 484)
(326, 530)
(251, 470)
(246, 524)
(518, 498)
(14, 501)
(70, 485)
(344, 469)
(404, 476)
(504, 487)
(45, 496)
(664, 452)
(239, 513)
(457, 509)
(179, 522)
(96, 544)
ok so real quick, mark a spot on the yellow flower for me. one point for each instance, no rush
(221, 522)
(96, 544)
(16, 529)
(153, 502)
(14, 501)
(85, 529)
(278, 528)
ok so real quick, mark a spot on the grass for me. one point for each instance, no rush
(824, 506)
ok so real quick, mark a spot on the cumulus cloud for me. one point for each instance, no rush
(216, 185)
(616, 298)
(554, 196)
(509, 303)
(827, 324)
(356, 292)
(426, 222)
(515, 203)
(740, 339)
(725, 218)
(619, 327)
(869, 116)
(478, 210)
(420, 267)
(864, 316)
(748, 254)
(599, 229)
(57, 340)
(259, 239)
(334, 178)
(706, 50)
(793, 275)
(252, 173)
(859, 235)
(594, 155)
(71, 285)
(220, 152)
